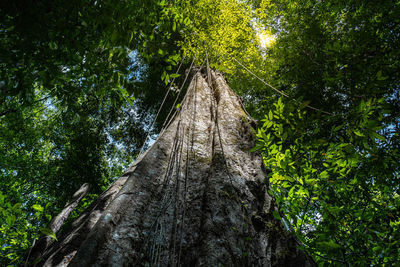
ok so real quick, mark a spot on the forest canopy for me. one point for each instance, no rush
(81, 83)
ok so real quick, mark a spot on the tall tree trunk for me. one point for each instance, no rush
(197, 197)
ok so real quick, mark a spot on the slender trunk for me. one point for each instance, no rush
(57, 222)
(197, 197)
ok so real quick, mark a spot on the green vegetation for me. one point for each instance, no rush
(336, 177)
(81, 81)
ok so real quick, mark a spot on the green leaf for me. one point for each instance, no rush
(130, 100)
(324, 175)
(174, 26)
(337, 128)
(358, 133)
(280, 104)
(38, 207)
(166, 81)
(114, 36)
(291, 192)
(284, 136)
(276, 215)
(17, 206)
(329, 245)
(257, 147)
(186, 21)
(9, 220)
(48, 232)
(380, 77)
(374, 135)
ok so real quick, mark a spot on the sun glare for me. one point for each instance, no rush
(266, 39)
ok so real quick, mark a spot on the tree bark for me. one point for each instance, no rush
(57, 222)
(197, 197)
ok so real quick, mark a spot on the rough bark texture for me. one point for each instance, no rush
(197, 197)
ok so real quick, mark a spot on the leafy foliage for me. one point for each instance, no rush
(335, 190)
(80, 82)
(66, 82)
(335, 177)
